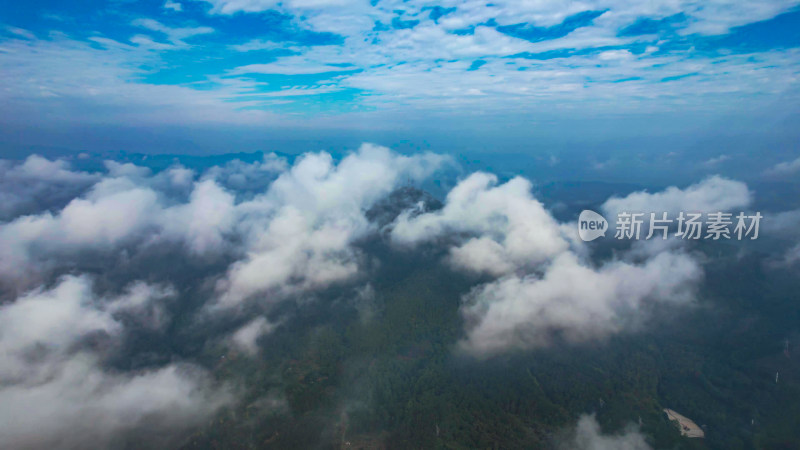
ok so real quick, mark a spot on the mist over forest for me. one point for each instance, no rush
(319, 302)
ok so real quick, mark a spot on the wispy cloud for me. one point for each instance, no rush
(533, 301)
(533, 57)
(784, 168)
(173, 5)
(21, 32)
(174, 35)
(715, 161)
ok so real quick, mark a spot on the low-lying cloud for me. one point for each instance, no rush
(546, 290)
(504, 226)
(89, 259)
(714, 194)
(56, 392)
(573, 301)
(587, 435)
(80, 272)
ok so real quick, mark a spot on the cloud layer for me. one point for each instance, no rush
(56, 392)
(546, 291)
(85, 272)
(714, 194)
(130, 255)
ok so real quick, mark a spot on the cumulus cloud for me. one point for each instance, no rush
(784, 168)
(710, 195)
(573, 302)
(204, 220)
(588, 436)
(82, 406)
(145, 304)
(95, 220)
(299, 234)
(248, 179)
(128, 207)
(294, 234)
(266, 229)
(272, 231)
(37, 184)
(508, 227)
(55, 377)
(547, 290)
(52, 320)
(246, 337)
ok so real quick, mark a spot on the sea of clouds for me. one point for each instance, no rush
(87, 259)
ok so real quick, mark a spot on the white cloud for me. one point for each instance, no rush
(174, 35)
(785, 168)
(424, 67)
(290, 65)
(126, 207)
(148, 43)
(173, 5)
(513, 229)
(298, 234)
(294, 234)
(715, 161)
(204, 220)
(38, 183)
(710, 195)
(244, 178)
(234, 6)
(69, 399)
(21, 32)
(545, 289)
(587, 435)
(105, 84)
(610, 55)
(53, 320)
(573, 302)
(784, 225)
(427, 65)
(81, 406)
(96, 222)
(246, 337)
(144, 303)
(316, 211)
(260, 44)
(714, 17)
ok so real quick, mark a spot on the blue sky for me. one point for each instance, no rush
(364, 67)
